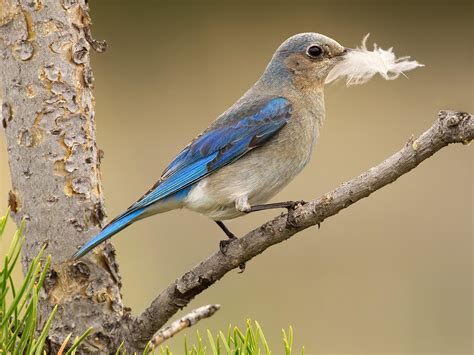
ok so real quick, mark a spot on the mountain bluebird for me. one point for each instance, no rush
(252, 150)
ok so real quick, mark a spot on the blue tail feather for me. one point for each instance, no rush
(114, 227)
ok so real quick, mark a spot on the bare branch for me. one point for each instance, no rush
(187, 321)
(450, 127)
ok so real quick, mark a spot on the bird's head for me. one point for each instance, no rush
(305, 60)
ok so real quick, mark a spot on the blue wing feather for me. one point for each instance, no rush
(223, 143)
(272, 116)
(219, 147)
(112, 228)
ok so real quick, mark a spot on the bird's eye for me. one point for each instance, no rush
(314, 51)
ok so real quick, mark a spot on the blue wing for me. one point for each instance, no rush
(225, 141)
(217, 147)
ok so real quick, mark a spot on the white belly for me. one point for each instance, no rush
(259, 175)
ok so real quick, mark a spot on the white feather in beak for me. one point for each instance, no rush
(360, 65)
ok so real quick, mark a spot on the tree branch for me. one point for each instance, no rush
(450, 127)
(185, 322)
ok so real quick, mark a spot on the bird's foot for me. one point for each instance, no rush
(291, 206)
(224, 245)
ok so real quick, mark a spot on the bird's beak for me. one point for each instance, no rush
(339, 57)
(345, 51)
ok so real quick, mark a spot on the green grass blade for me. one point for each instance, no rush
(16, 243)
(117, 352)
(34, 301)
(26, 296)
(13, 259)
(238, 334)
(12, 287)
(3, 222)
(78, 341)
(212, 342)
(286, 343)
(186, 351)
(18, 327)
(218, 345)
(4, 279)
(25, 290)
(252, 342)
(44, 272)
(225, 342)
(201, 349)
(290, 332)
(10, 346)
(29, 328)
(229, 334)
(36, 262)
(263, 339)
(44, 332)
(246, 340)
(146, 350)
(3, 293)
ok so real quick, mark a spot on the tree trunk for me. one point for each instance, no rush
(48, 117)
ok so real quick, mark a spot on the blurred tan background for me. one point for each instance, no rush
(391, 274)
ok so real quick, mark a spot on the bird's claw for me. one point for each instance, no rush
(290, 219)
(224, 244)
(294, 204)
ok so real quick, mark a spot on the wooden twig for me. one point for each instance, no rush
(187, 321)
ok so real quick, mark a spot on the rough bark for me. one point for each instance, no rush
(48, 118)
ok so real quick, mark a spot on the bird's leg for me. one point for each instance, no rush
(289, 205)
(224, 244)
(227, 232)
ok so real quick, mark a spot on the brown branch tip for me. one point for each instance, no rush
(187, 321)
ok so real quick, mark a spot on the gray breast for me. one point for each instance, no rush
(261, 173)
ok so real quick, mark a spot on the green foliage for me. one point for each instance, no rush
(19, 304)
(236, 342)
